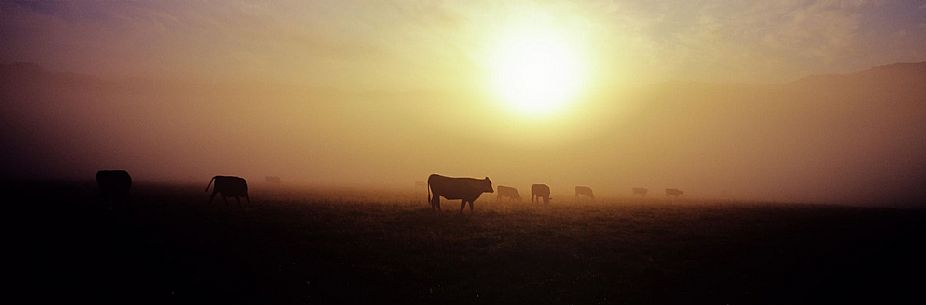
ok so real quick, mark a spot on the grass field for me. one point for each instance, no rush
(302, 246)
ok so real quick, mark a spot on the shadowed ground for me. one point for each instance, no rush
(311, 247)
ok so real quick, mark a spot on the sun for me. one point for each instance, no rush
(536, 69)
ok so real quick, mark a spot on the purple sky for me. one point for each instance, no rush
(404, 44)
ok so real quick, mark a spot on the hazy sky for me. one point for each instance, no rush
(441, 44)
(646, 93)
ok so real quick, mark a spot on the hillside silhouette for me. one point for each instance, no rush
(897, 74)
(828, 138)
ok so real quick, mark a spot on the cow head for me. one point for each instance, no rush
(487, 186)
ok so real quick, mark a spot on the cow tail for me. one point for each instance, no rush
(429, 190)
(210, 183)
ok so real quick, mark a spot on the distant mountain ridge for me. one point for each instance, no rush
(897, 73)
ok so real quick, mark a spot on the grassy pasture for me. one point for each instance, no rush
(339, 246)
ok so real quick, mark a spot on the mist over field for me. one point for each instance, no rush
(608, 151)
(851, 138)
(797, 101)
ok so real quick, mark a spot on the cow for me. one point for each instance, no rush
(584, 190)
(540, 191)
(639, 191)
(674, 192)
(114, 184)
(229, 186)
(466, 189)
(508, 192)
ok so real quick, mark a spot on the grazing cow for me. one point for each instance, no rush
(540, 191)
(640, 191)
(508, 192)
(467, 189)
(272, 179)
(229, 186)
(114, 184)
(584, 190)
(674, 192)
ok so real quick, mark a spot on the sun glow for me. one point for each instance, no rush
(537, 68)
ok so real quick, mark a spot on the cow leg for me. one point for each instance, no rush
(212, 197)
(435, 203)
(462, 205)
(248, 198)
(471, 206)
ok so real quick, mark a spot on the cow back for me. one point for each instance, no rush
(583, 190)
(540, 190)
(507, 191)
(458, 188)
(231, 186)
(114, 182)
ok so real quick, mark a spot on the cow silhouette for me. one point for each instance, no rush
(229, 186)
(674, 192)
(466, 189)
(585, 191)
(540, 191)
(639, 191)
(508, 192)
(114, 184)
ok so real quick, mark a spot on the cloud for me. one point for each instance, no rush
(329, 41)
(763, 40)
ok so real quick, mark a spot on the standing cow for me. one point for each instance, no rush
(540, 191)
(639, 191)
(674, 192)
(584, 190)
(229, 186)
(508, 192)
(114, 184)
(466, 189)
